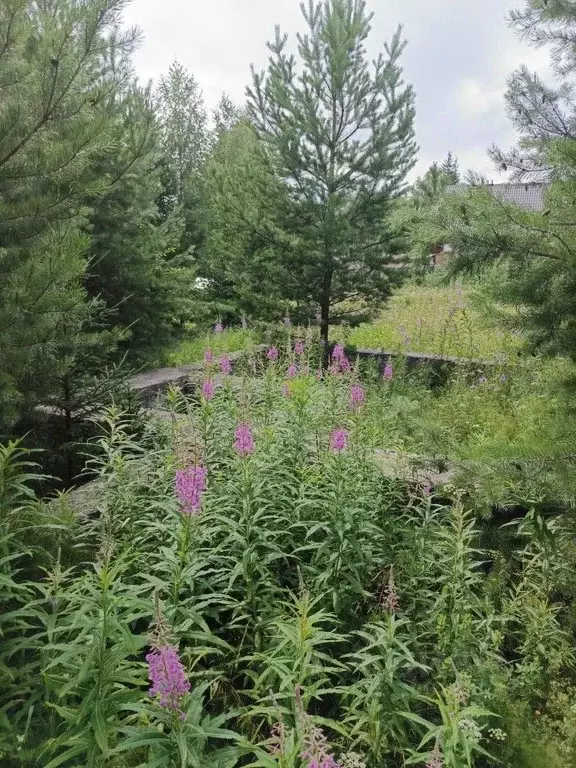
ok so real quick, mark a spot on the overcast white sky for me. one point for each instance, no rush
(459, 55)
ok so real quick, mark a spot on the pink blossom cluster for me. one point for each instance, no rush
(272, 354)
(168, 677)
(208, 356)
(357, 396)
(299, 348)
(292, 371)
(388, 372)
(225, 365)
(208, 389)
(190, 485)
(339, 361)
(339, 440)
(218, 328)
(316, 750)
(244, 440)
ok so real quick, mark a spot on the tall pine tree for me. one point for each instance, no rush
(339, 133)
(63, 64)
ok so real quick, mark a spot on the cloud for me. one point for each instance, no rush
(459, 56)
(476, 97)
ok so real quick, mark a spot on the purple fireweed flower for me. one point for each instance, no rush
(299, 348)
(218, 328)
(388, 372)
(292, 371)
(208, 389)
(338, 352)
(243, 440)
(338, 440)
(272, 354)
(225, 364)
(357, 396)
(168, 677)
(344, 364)
(340, 363)
(208, 356)
(316, 752)
(190, 485)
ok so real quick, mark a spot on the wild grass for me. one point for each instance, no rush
(435, 320)
(191, 350)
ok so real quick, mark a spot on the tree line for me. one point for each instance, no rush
(128, 217)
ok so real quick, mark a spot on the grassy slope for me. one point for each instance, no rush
(436, 320)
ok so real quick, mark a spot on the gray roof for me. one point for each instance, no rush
(529, 197)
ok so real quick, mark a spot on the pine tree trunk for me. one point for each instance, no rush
(325, 327)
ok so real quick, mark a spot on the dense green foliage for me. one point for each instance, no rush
(300, 560)
(86, 260)
(310, 590)
(533, 250)
(339, 132)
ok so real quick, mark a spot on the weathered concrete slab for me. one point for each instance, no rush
(417, 358)
(412, 468)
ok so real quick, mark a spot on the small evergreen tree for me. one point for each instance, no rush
(340, 135)
(227, 114)
(450, 169)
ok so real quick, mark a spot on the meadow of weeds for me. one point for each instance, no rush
(250, 589)
(441, 320)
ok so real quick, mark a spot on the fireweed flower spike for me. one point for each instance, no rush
(218, 328)
(272, 354)
(190, 485)
(208, 389)
(299, 348)
(388, 372)
(338, 440)
(168, 677)
(225, 365)
(357, 397)
(208, 356)
(244, 440)
(338, 352)
(292, 371)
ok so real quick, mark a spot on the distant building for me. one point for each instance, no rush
(528, 196)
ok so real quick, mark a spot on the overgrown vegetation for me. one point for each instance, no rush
(318, 607)
(305, 558)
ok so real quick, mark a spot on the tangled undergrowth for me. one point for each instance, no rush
(251, 590)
